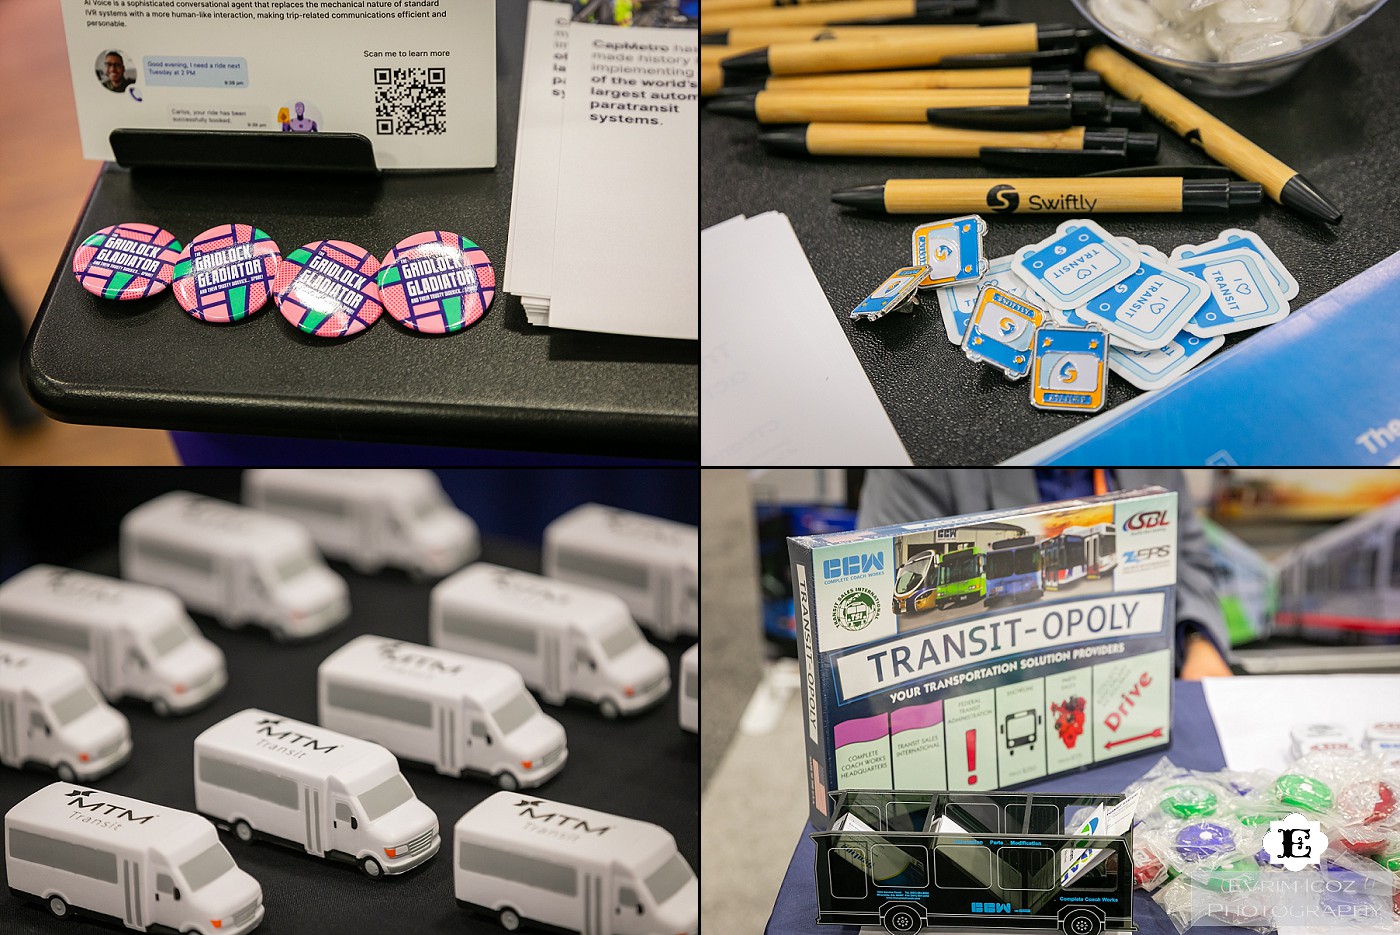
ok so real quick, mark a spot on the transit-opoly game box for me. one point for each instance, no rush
(983, 651)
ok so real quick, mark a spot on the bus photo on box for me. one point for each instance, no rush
(135, 640)
(52, 715)
(690, 690)
(455, 712)
(529, 861)
(234, 563)
(81, 851)
(649, 562)
(262, 775)
(566, 640)
(371, 518)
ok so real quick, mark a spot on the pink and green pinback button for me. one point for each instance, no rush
(226, 273)
(327, 288)
(126, 261)
(437, 282)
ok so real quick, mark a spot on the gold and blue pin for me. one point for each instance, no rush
(1069, 369)
(898, 293)
(952, 250)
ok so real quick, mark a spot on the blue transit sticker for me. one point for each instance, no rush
(1242, 293)
(1069, 369)
(1001, 331)
(958, 301)
(1147, 309)
(951, 249)
(1080, 260)
(1233, 238)
(1152, 370)
(899, 288)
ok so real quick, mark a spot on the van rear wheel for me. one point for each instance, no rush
(243, 831)
(1082, 922)
(510, 920)
(902, 920)
(58, 907)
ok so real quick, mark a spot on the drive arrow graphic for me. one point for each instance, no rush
(1114, 743)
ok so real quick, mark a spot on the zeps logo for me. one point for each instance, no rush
(1148, 519)
(861, 564)
(1003, 198)
(78, 799)
(1135, 556)
(533, 809)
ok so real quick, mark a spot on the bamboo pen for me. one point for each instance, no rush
(1020, 77)
(807, 58)
(989, 108)
(836, 11)
(1051, 196)
(768, 35)
(1227, 146)
(724, 6)
(927, 140)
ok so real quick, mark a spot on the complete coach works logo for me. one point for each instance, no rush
(856, 609)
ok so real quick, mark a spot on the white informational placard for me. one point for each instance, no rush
(417, 77)
(627, 222)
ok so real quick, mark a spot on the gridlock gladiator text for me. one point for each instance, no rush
(982, 651)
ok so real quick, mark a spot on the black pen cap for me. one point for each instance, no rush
(1062, 36)
(787, 138)
(1219, 194)
(1141, 147)
(1121, 113)
(1084, 80)
(1081, 103)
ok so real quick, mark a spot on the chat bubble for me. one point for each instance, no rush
(196, 71)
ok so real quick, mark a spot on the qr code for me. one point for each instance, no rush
(410, 101)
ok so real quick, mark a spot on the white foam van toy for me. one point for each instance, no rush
(649, 562)
(81, 851)
(529, 861)
(459, 713)
(135, 640)
(371, 518)
(690, 690)
(234, 563)
(262, 775)
(52, 715)
(564, 639)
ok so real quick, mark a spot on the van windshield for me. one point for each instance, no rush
(515, 712)
(204, 869)
(385, 797)
(173, 636)
(293, 565)
(667, 880)
(75, 704)
(620, 640)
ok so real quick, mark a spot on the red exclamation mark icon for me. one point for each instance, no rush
(972, 757)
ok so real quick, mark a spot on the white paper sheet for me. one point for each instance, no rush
(627, 220)
(1255, 715)
(779, 383)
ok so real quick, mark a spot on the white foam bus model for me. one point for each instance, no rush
(234, 563)
(371, 518)
(528, 860)
(460, 713)
(51, 714)
(650, 563)
(145, 866)
(564, 639)
(134, 639)
(263, 775)
(690, 690)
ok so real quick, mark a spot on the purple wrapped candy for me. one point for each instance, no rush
(1204, 839)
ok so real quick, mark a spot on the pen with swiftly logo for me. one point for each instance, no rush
(1014, 77)
(1083, 195)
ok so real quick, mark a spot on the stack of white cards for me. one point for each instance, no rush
(604, 221)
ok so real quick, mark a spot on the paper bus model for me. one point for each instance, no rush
(234, 563)
(371, 518)
(564, 639)
(261, 775)
(649, 562)
(529, 861)
(135, 640)
(81, 851)
(456, 712)
(690, 690)
(51, 714)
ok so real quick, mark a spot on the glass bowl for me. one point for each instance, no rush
(1226, 79)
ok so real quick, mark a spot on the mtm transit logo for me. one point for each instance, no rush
(396, 653)
(532, 809)
(265, 726)
(853, 565)
(78, 799)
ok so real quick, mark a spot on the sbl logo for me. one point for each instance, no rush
(1146, 520)
(1295, 843)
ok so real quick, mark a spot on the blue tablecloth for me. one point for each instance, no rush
(1193, 744)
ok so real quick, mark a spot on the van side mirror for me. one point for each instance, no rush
(177, 895)
(354, 823)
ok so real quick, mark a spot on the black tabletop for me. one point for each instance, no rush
(642, 767)
(502, 383)
(1337, 122)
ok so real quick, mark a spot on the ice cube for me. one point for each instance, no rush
(1222, 38)
(1130, 18)
(1181, 45)
(1263, 45)
(1242, 12)
(1312, 17)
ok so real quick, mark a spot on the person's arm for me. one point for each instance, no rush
(1202, 642)
(891, 496)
